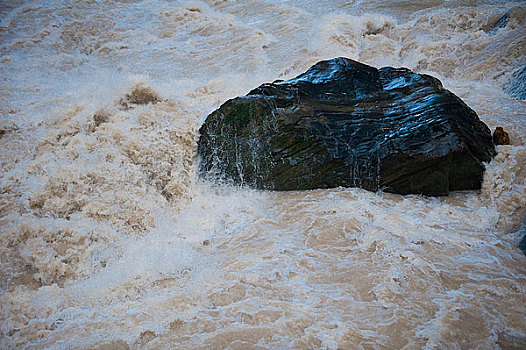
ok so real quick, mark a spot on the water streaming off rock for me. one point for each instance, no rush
(108, 239)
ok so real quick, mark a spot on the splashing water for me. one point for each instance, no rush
(108, 238)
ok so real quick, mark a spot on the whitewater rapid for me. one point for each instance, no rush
(110, 240)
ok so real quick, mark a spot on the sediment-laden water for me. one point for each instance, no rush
(109, 239)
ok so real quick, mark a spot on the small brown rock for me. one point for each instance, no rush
(500, 137)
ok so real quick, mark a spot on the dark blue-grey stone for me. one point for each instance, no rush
(343, 123)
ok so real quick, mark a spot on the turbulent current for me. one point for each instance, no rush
(110, 240)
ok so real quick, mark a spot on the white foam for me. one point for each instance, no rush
(108, 237)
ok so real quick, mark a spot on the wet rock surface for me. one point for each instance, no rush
(500, 137)
(343, 123)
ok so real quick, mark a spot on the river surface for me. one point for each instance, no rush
(110, 240)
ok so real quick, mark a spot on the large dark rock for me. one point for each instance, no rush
(343, 123)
